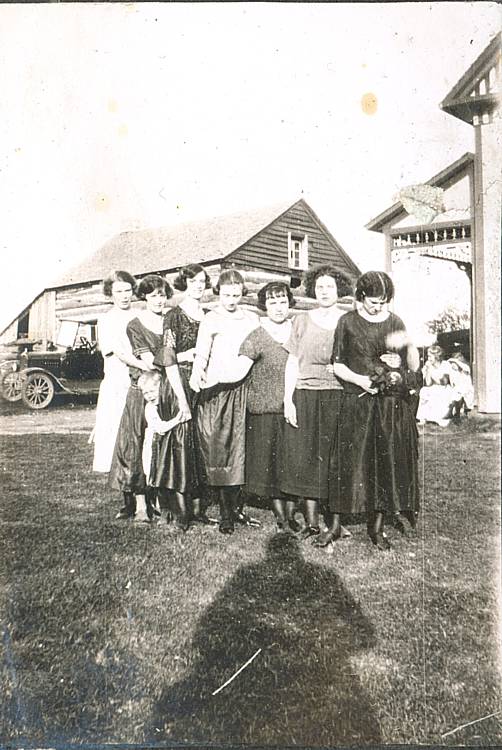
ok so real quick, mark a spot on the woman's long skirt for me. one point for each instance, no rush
(221, 434)
(174, 465)
(109, 408)
(126, 472)
(307, 447)
(265, 454)
(374, 459)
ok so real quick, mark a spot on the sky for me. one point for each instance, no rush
(128, 116)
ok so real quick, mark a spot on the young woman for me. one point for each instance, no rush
(174, 462)
(221, 410)
(312, 396)
(117, 354)
(145, 334)
(263, 351)
(374, 459)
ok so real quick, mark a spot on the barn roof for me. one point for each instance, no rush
(148, 250)
(443, 179)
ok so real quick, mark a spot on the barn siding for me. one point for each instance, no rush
(42, 318)
(269, 249)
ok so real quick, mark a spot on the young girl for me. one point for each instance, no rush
(145, 335)
(374, 457)
(436, 395)
(221, 411)
(149, 385)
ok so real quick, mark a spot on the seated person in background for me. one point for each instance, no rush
(436, 395)
(461, 383)
(149, 383)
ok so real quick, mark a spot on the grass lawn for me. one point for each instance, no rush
(116, 632)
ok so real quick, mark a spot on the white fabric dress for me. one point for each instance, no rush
(435, 399)
(113, 390)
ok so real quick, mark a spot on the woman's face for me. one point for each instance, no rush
(374, 305)
(196, 286)
(122, 294)
(230, 296)
(277, 308)
(433, 358)
(326, 292)
(155, 301)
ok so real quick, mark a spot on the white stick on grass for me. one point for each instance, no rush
(470, 723)
(236, 673)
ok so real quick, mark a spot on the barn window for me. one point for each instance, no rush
(298, 251)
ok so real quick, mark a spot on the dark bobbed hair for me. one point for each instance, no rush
(152, 282)
(189, 272)
(230, 276)
(123, 276)
(274, 289)
(310, 278)
(374, 284)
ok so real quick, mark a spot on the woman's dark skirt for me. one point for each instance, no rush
(220, 435)
(374, 460)
(307, 447)
(173, 464)
(265, 454)
(126, 472)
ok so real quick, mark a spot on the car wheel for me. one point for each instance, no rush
(12, 386)
(38, 390)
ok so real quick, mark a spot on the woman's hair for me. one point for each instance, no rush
(275, 289)
(436, 350)
(146, 378)
(152, 282)
(230, 276)
(374, 284)
(189, 272)
(123, 276)
(310, 279)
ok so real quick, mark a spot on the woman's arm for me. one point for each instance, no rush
(173, 375)
(203, 348)
(345, 373)
(290, 379)
(232, 372)
(132, 361)
(413, 358)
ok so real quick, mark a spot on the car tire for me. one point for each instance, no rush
(38, 390)
(11, 386)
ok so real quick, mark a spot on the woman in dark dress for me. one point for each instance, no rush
(174, 466)
(145, 334)
(374, 459)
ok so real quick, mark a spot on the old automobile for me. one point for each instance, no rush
(73, 366)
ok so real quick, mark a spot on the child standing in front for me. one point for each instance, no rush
(149, 384)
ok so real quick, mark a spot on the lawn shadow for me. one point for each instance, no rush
(301, 688)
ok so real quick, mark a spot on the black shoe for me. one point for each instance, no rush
(379, 539)
(183, 523)
(227, 526)
(324, 539)
(309, 531)
(399, 525)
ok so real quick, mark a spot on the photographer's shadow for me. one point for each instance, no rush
(301, 688)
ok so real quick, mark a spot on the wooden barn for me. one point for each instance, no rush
(470, 232)
(279, 242)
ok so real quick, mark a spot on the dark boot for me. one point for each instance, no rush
(377, 534)
(128, 510)
(226, 511)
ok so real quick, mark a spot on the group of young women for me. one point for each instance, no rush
(312, 411)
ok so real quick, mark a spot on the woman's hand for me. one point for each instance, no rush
(391, 359)
(364, 382)
(290, 413)
(184, 413)
(329, 368)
